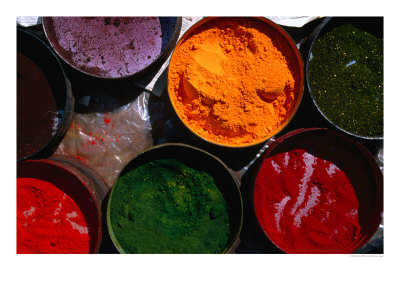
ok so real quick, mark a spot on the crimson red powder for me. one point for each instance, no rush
(48, 220)
(312, 197)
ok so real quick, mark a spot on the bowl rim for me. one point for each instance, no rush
(315, 36)
(90, 189)
(69, 100)
(230, 246)
(372, 162)
(142, 72)
(277, 28)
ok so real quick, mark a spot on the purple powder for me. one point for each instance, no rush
(107, 46)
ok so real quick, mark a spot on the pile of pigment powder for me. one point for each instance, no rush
(165, 206)
(346, 79)
(230, 84)
(37, 113)
(315, 197)
(48, 220)
(109, 47)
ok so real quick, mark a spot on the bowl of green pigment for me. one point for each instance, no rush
(344, 73)
(174, 198)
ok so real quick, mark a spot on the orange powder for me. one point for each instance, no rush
(230, 84)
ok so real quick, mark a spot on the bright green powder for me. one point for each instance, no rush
(165, 206)
(346, 79)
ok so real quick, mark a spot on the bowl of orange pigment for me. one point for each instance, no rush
(235, 82)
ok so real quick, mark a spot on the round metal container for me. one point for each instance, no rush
(88, 174)
(43, 56)
(170, 29)
(284, 43)
(74, 178)
(200, 160)
(370, 206)
(373, 25)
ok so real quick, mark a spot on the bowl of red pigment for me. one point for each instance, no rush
(44, 102)
(177, 199)
(235, 82)
(318, 191)
(113, 47)
(58, 209)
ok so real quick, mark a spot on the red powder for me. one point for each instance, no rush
(48, 220)
(81, 158)
(306, 204)
(107, 120)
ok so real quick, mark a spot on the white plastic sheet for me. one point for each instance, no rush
(108, 141)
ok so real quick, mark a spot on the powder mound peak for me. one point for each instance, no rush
(230, 84)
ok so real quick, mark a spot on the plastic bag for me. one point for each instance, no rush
(108, 141)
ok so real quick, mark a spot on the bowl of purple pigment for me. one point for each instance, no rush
(113, 47)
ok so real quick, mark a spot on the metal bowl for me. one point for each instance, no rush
(283, 42)
(370, 204)
(81, 185)
(44, 57)
(170, 28)
(373, 25)
(199, 160)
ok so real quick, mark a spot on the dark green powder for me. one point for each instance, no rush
(346, 79)
(165, 206)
